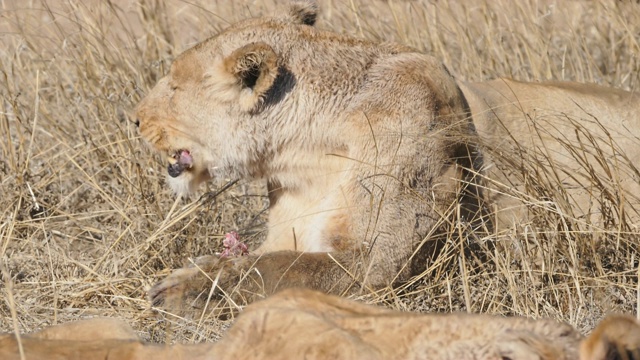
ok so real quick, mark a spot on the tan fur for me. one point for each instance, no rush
(364, 152)
(298, 323)
(370, 153)
(585, 135)
(614, 335)
(87, 330)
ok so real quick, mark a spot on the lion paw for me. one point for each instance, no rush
(616, 337)
(184, 285)
(172, 288)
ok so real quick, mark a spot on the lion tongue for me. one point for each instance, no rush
(181, 160)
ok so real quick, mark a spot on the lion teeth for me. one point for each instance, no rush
(172, 160)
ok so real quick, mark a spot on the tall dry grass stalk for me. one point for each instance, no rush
(87, 225)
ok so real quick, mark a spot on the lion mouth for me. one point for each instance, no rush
(179, 161)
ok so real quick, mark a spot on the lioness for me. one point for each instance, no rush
(582, 136)
(297, 323)
(363, 149)
(369, 151)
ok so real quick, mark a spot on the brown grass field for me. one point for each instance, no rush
(87, 224)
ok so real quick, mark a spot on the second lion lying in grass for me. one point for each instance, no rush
(297, 324)
(369, 150)
(579, 138)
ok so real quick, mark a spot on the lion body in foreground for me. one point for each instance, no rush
(369, 150)
(299, 323)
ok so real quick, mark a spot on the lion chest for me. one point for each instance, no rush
(320, 223)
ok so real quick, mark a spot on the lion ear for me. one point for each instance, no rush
(304, 12)
(255, 68)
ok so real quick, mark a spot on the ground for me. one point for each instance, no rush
(87, 224)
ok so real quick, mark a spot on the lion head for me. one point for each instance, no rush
(217, 111)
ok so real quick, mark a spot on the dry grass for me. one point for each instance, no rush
(87, 224)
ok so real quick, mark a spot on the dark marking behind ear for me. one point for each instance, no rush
(304, 12)
(282, 85)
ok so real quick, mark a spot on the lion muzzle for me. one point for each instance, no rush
(180, 161)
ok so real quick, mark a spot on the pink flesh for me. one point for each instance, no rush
(185, 158)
